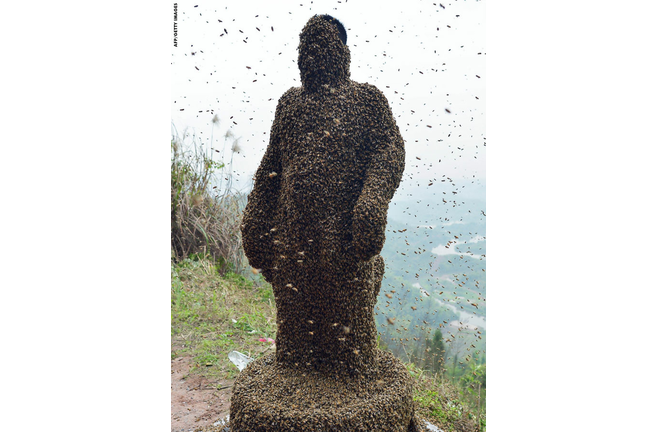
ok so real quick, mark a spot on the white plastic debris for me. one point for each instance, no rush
(240, 360)
(432, 427)
(225, 422)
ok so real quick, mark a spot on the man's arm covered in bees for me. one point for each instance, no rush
(262, 201)
(382, 177)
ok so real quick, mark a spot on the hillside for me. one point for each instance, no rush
(435, 259)
(430, 311)
(212, 315)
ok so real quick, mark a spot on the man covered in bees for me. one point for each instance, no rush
(315, 225)
(315, 220)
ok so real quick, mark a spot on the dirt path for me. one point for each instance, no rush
(195, 401)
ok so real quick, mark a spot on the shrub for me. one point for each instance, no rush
(205, 212)
(444, 404)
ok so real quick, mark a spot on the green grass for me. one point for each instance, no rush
(212, 315)
(445, 404)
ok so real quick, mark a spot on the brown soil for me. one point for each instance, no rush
(195, 401)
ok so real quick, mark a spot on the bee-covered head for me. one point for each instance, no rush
(323, 57)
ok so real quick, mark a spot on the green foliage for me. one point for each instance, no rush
(239, 281)
(216, 308)
(436, 352)
(205, 303)
(445, 404)
(212, 315)
(205, 217)
(474, 376)
(255, 323)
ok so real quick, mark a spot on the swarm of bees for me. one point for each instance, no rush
(322, 191)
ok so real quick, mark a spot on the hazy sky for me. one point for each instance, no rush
(235, 60)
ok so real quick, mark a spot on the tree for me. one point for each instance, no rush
(438, 351)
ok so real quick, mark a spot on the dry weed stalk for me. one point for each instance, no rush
(205, 217)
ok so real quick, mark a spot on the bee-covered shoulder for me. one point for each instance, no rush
(289, 97)
(372, 94)
(287, 104)
(377, 107)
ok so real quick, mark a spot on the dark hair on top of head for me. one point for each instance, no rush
(340, 26)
